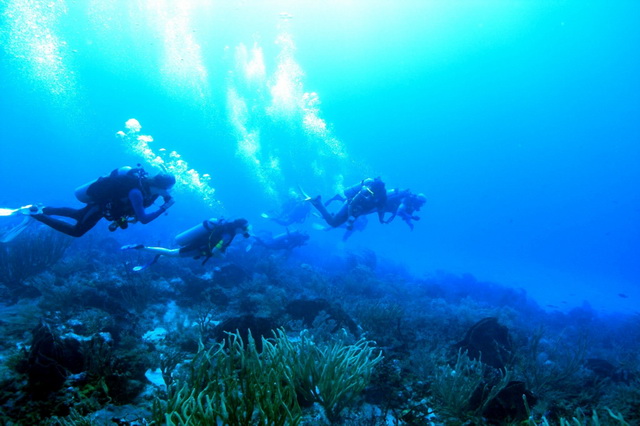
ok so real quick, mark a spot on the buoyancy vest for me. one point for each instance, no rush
(111, 192)
(204, 237)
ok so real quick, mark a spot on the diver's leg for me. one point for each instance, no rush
(336, 197)
(340, 217)
(162, 251)
(86, 218)
(333, 220)
(317, 203)
(408, 222)
(69, 212)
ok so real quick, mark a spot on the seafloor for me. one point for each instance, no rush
(301, 337)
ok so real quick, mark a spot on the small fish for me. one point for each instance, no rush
(624, 296)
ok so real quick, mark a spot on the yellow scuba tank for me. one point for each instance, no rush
(82, 191)
(199, 232)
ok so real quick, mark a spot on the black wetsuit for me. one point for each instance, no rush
(370, 195)
(128, 197)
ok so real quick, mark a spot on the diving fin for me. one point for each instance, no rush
(304, 194)
(315, 201)
(8, 212)
(146, 265)
(16, 230)
(27, 210)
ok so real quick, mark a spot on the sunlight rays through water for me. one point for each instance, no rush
(33, 41)
(276, 122)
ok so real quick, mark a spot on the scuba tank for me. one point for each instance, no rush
(82, 192)
(199, 232)
(353, 190)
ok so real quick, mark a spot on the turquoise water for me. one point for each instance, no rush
(517, 120)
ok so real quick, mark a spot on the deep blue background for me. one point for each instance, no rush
(518, 120)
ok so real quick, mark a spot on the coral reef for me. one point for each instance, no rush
(31, 253)
(259, 338)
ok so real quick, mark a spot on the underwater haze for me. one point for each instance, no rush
(518, 120)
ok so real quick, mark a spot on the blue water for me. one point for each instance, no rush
(517, 120)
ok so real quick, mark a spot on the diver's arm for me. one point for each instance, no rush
(135, 197)
(393, 216)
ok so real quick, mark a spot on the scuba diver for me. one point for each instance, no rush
(404, 203)
(294, 210)
(121, 197)
(285, 241)
(363, 198)
(409, 205)
(207, 239)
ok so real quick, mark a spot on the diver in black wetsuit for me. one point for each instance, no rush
(404, 203)
(121, 197)
(363, 198)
